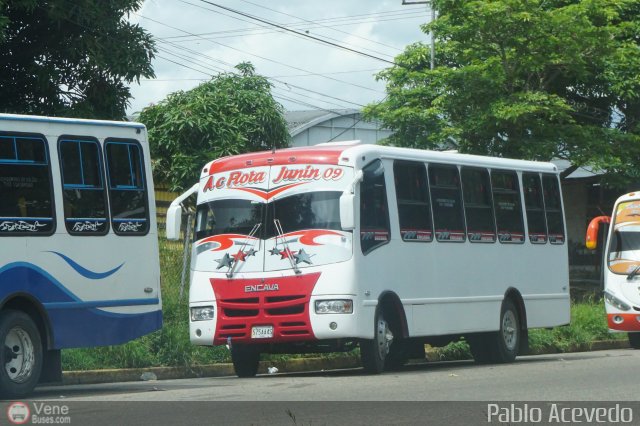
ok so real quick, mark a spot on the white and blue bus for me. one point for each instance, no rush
(79, 263)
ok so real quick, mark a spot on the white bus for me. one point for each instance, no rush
(337, 245)
(621, 266)
(79, 260)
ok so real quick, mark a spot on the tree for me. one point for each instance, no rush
(531, 79)
(231, 114)
(71, 57)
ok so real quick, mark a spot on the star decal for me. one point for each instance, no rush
(251, 252)
(225, 261)
(274, 251)
(302, 256)
(286, 254)
(240, 256)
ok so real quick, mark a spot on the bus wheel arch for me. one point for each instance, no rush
(387, 350)
(48, 364)
(511, 334)
(22, 354)
(515, 296)
(504, 345)
(35, 310)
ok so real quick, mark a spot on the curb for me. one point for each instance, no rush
(290, 366)
(214, 370)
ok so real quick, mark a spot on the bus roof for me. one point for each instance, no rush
(358, 155)
(78, 121)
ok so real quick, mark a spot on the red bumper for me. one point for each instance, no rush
(282, 302)
(630, 322)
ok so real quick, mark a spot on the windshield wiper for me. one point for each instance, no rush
(633, 273)
(288, 252)
(241, 253)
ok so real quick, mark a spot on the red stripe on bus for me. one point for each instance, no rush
(318, 155)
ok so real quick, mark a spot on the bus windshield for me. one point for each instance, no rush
(227, 217)
(624, 250)
(311, 210)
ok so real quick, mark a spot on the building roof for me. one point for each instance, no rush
(299, 121)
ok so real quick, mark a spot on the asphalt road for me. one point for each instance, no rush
(351, 397)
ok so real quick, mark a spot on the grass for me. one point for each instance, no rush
(170, 346)
(588, 325)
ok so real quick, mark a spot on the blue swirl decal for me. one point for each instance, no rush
(76, 323)
(84, 271)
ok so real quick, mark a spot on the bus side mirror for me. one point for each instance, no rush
(591, 239)
(347, 211)
(347, 204)
(174, 222)
(174, 214)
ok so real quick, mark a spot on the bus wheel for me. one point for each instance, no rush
(21, 357)
(246, 359)
(634, 340)
(481, 345)
(373, 352)
(508, 339)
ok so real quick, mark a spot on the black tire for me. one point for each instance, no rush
(246, 359)
(502, 346)
(398, 351)
(634, 340)
(481, 346)
(21, 355)
(373, 352)
(508, 339)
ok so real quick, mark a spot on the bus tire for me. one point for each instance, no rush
(21, 356)
(373, 352)
(481, 346)
(246, 360)
(634, 340)
(509, 335)
(398, 350)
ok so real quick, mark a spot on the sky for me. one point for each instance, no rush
(197, 40)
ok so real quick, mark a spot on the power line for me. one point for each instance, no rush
(323, 26)
(273, 24)
(238, 31)
(273, 76)
(288, 85)
(277, 29)
(261, 57)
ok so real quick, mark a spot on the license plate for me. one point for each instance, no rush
(262, 332)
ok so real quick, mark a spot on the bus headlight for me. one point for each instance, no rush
(202, 313)
(615, 302)
(343, 306)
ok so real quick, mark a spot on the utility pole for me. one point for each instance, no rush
(433, 18)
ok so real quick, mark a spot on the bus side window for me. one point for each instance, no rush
(85, 203)
(507, 205)
(476, 190)
(374, 213)
(412, 194)
(26, 195)
(127, 187)
(536, 222)
(448, 219)
(553, 208)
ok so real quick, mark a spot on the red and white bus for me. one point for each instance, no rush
(621, 265)
(342, 244)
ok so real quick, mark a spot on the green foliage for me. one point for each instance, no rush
(531, 79)
(71, 57)
(588, 324)
(231, 114)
